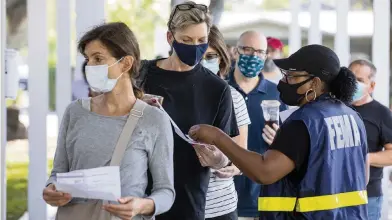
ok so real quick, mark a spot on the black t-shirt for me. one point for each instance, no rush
(378, 124)
(293, 140)
(192, 97)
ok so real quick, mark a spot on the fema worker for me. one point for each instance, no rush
(316, 166)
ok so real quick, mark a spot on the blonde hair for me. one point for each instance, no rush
(180, 20)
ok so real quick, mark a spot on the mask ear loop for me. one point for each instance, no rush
(116, 62)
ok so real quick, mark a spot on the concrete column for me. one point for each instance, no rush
(3, 122)
(314, 35)
(295, 41)
(89, 13)
(380, 57)
(380, 49)
(38, 105)
(63, 68)
(342, 40)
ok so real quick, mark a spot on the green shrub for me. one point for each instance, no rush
(17, 174)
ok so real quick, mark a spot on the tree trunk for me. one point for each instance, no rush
(16, 16)
(216, 8)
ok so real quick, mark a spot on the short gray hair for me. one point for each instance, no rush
(364, 62)
(180, 20)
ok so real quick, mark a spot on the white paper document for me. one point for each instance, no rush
(285, 114)
(97, 183)
(177, 130)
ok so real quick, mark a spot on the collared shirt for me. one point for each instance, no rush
(248, 191)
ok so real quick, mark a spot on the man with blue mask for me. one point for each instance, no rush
(378, 123)
(251, 53)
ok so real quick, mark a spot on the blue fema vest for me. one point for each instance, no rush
(334, 186)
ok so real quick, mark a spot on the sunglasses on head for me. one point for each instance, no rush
(185, 7)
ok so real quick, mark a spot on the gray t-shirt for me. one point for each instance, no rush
(87, 140)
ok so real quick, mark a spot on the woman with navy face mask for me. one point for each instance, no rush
(192, 94)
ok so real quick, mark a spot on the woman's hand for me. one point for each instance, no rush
(130, 207)
(227, 172)
(55, 198)
(269, 133)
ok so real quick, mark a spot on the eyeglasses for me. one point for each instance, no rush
(251, 51)
(185, 7)
(211, 56)
(289, 75)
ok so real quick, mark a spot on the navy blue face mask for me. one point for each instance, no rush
(190, 54)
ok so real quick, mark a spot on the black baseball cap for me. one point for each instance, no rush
(315, 59)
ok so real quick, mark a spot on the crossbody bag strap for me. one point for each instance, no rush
(125, 136)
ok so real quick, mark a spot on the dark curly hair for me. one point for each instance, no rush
(344, 85)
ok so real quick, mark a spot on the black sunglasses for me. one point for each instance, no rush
(185, 7)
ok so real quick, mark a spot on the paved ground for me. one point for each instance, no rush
(17, 151)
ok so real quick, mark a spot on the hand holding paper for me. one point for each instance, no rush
(55, 198)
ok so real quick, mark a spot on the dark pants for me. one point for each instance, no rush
(229, 216)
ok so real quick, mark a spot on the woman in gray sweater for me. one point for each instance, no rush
(91, 127)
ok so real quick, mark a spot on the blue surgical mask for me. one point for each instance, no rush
(360, 93)
(98, 79)
(250, 65)
(212, 65)
(189, 54)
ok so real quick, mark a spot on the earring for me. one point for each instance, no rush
(307, 93)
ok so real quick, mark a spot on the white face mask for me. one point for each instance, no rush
(98, 79)
(361, 91)
(212, 65)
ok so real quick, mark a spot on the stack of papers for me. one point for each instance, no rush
(97, 183)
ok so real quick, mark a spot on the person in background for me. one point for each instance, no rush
(231, 50)
(221, 203)
(317, 166)
(247, 79)
(192, 94)
(378, 123)
(275, 51)
(90, 129)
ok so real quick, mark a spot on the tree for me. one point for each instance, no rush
(141, 18)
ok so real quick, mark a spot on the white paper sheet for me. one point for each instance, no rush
(285, 114)
(97, 183)
(177, 130)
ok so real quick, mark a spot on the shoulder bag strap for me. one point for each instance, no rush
(125, 136)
